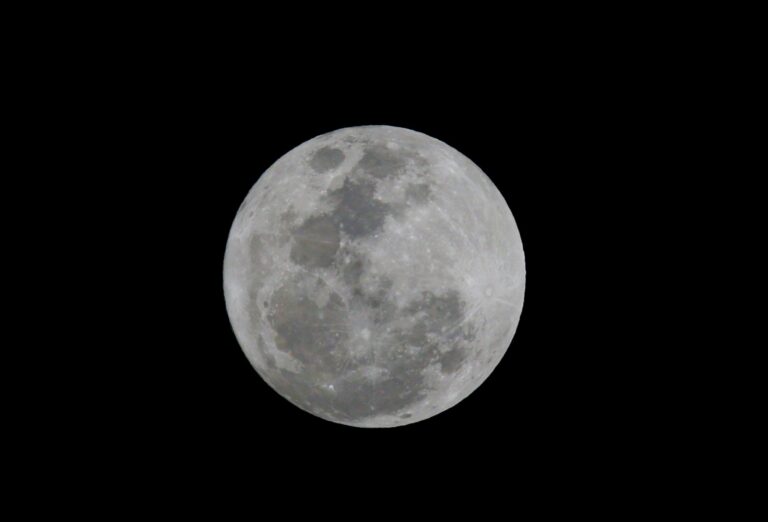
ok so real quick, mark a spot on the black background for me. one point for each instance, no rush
(560, 143)
(156, 129)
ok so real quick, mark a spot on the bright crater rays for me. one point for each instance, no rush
(374, 276)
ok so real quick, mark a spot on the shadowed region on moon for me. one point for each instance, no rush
(374, 276)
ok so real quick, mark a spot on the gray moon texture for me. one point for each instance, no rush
(374, 276)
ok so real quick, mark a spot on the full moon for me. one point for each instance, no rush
(374, 276)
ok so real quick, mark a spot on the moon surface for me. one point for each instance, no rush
(374, 276)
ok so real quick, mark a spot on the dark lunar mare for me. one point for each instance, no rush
(327, 356)
(325, 159)
(380, 162)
